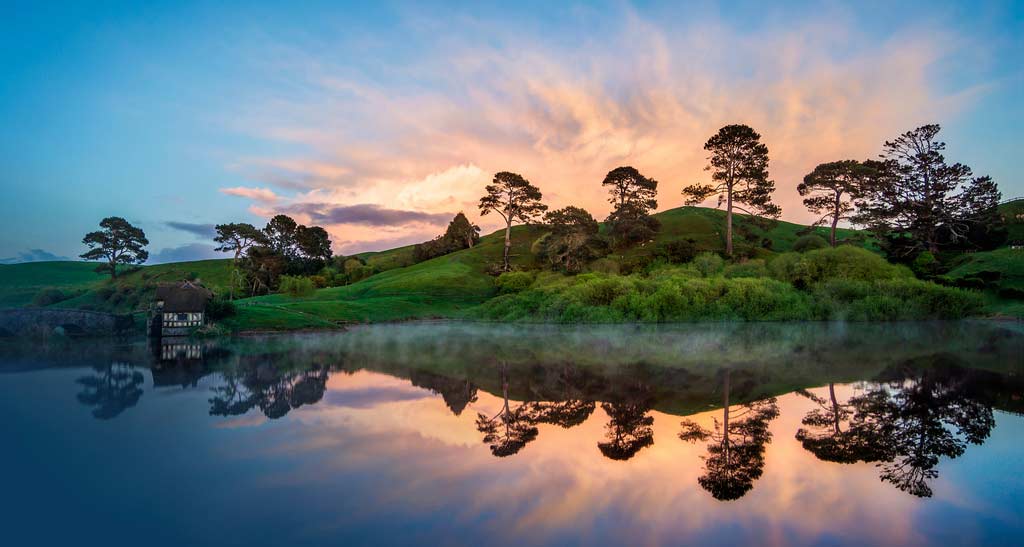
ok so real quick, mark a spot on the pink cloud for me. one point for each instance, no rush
(262, 195)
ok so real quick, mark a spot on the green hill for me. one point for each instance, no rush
(445, 287)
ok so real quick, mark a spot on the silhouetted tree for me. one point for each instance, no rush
(922, 413)
(573, 239)
(280, 232)
(830, 189)
(257, 384)
(456, 392)
(632, 198)
(628, 430)
(739, 171)
(565, 414)
(116, 388)
(831, 436)
(514, 199)
(238, 238)
(314, 245)
(736, 445)
(508, 431)
(118, 243)
(919, 196)
(461, 234)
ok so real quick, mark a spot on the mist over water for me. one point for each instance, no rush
(509, 434)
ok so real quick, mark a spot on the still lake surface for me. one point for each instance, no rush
(437, 433)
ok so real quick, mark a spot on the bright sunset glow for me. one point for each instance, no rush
(381, 123)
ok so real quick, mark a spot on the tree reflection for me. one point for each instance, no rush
(735, 445)
(628, 430)
(508, 431)
(263, 386)
(831, 436)
(919, 413)
(115, 388)
(457, 393)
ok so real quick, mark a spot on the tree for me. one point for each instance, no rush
(633, 199)
(739, 171)
(736, 445)
(263, 268)
(238, 238)
(832, 435)
(918, 202)
(830, 189)
(281, 235)
(118, 243)
(461, 234)
(314, 244)
(514, 199)
(573, 239)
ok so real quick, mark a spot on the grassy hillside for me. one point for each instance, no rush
(444, 287)
(1013, 215)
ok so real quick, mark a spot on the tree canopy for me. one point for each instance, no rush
(739, 174)
(920, 202)
(118, 243)
(829, 191)
(514, 199)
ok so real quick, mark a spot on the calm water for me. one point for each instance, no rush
(468, 434)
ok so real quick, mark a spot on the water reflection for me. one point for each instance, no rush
(114, 388)
(902, 397)
(735, 444)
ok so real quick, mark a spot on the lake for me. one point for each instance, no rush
(452, 433)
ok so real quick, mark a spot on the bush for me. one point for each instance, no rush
(749, 268)
(513, 282)
(296, 286)
(809, 242)
(844, 262)
(48, 296)
(925, 265)
(219, 308)
(679, 251)
(1012, 293)
(319, 281)
(708, 264)
(635, 264)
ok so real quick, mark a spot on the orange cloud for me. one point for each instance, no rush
(648, 97)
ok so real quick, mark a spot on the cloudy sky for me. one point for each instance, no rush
(380, 122)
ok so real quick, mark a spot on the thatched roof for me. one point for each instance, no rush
(183, 297)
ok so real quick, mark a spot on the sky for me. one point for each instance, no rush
(380, 121)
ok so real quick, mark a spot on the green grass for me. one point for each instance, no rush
(1013, 216)
(21, 282)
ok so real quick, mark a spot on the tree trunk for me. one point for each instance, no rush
(113, 269)
(832, 237)
(728, 222)
(835, 406)
(508, 244)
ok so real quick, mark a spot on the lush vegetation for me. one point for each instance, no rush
(842, 283)
(935, 248)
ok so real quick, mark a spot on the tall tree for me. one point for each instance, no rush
(313, 243)
(118, 243)
(508, 431)
(830, 189)
(238, 237)
(922, 196)
(629, 429)
(632, 198)
(281, 233)
(463, 232)
(739, 171)
(514, 199)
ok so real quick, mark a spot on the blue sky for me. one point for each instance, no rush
(380, 120)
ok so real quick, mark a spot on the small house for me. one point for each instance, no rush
(179, 308)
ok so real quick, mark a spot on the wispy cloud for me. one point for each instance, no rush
(32, 255)
(262, 195)
(645, 94)
(206, 231)
(185, 253)
(368, 214)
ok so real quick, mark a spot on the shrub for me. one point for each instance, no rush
(635, 264)
(604, 265)
(219, 308)
(925, 265)
(513, 282)
(48, 296)
(809, 242)
(749, 268)
(844, 262)
(296, 286)
(679, 251)
(708, 264)
(319, 281)
(192, 276)
(1012, 292)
